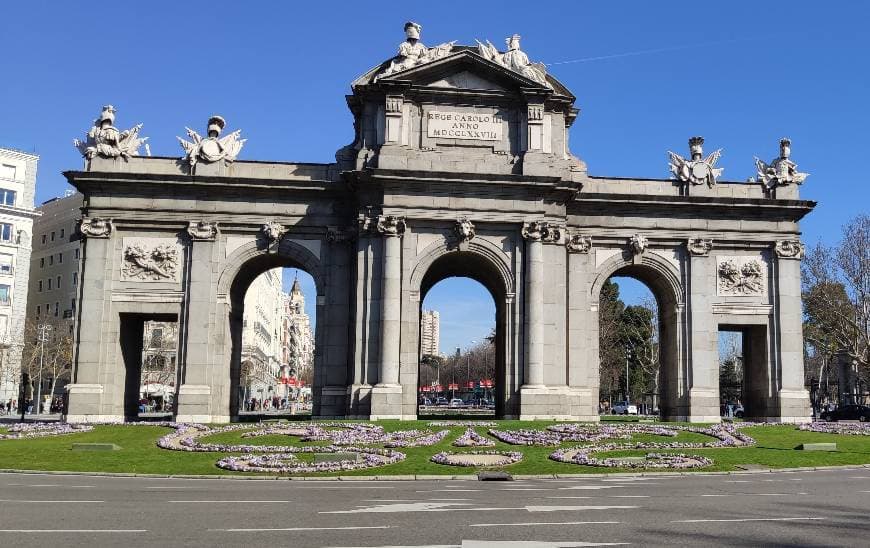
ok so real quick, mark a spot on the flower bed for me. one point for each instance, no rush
(503, 458)
(287, 463)
(527, 437)
(415, 438)
(463, 423)
(846, 428)
(470, 438)
(31, 430)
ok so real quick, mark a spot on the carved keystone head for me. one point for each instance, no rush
(412, 30)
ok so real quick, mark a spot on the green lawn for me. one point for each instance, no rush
(139, 453)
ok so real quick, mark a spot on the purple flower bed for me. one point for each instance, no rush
(470, 438)
(286, 463)
(455, 459)
(415, 438)
(527, 437)
(30, 430)
(848, 429)
(463, 423)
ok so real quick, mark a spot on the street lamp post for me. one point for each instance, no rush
(627, 357)
(42, 333)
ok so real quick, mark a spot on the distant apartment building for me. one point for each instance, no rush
(430, 333)
(298, 336)
(17, 188)
(54, 266)
(261, 336)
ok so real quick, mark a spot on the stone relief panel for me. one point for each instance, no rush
(741, 276)
(151, 260)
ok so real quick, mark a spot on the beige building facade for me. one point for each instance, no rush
(17, 214)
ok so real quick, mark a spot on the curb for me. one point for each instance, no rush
(426, 477)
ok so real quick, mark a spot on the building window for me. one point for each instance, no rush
(43, 239)
(42, 262)
(7, 171)
(58, 282)
(7, 197)
(75, 279)
(5, 294)
(72, 305)
(77, 253)
(5, 263)
(38, 310)
(6, 232)
(50, 260)
(52, 235)
(49, 284)
(39, 286)
(60, 258)
(61, 232)
(56, 309)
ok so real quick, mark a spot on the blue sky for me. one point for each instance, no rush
(647, 75)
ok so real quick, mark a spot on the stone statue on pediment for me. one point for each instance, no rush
(213, 147)
(781, 171)
(412, 52)
(107, 141)
(514, 59)
(697, 169)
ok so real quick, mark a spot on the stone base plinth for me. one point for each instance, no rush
(194, 403)
(85, 404)
(359, 401)
(386, 402)
(333, 402)
(554, 403)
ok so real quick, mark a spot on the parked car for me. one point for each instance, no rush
(440, 401)
(847, 412)
(456, 402)
(624, 408)
(425, 401)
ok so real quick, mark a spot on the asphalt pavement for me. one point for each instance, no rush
(808, 508)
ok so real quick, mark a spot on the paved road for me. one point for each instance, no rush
(798, 508)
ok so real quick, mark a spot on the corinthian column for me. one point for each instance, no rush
(392, 229)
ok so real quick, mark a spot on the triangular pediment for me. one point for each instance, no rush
(462, 69)
(466, 80)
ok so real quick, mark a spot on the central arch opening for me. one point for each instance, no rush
(462, 338)
(275, 350)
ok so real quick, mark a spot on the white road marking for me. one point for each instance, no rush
(51, 485)
(533, 523)
(524, 489)
(449, 491)
(171, 487)
(742, 519)
(267, 530)
(572, 508)
(602, 497)
(318, 487)
(588, 487)
(229, 501)
(73, 530)
(54, 501)
(402, 507)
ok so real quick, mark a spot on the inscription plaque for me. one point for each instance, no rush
(464, 125)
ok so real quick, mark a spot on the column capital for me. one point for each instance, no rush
(789, 249)
(390, 225)
(340, 234)
(95, 227)
(543, 231)
(578, 243)
(202, 230)
(699, 247)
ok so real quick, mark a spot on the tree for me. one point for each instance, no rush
(639, 334)
(47, 353)
(836, 297)
(610, 352)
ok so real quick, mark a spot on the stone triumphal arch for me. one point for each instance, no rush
(459, 166)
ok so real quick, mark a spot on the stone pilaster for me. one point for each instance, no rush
(703, 397)
(194, 393)
(387, 394)
(794, 399)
